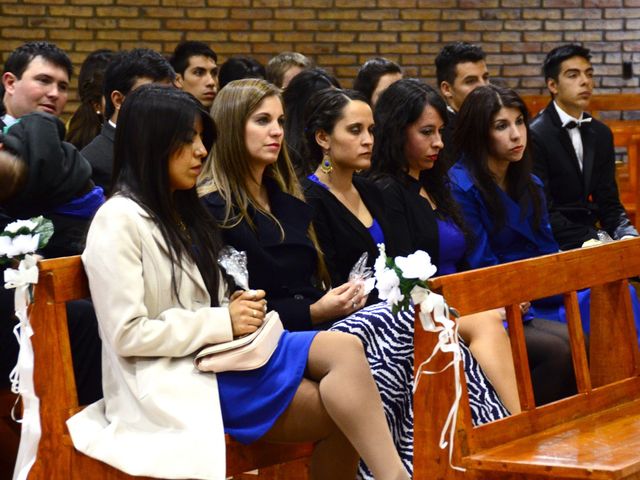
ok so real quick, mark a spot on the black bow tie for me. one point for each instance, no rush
(573, 123)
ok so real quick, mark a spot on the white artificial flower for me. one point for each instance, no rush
(13, 227)
(6, 246)
(380, 263)
(23, 244)
(387, 283)
(417, 265)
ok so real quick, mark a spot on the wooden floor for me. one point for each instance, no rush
(577, 442)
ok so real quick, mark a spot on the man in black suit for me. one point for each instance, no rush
(574, 155)
(126, 72)
(460, 68)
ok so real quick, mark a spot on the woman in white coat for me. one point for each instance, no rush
(151, 260)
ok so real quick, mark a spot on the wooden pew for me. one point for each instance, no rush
(627, 137)
(60, 281)
(594, 434)
(606, 102)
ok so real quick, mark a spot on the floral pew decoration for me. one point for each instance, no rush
(402, 283)
(18, 245)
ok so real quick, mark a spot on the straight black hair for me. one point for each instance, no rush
(155, 122)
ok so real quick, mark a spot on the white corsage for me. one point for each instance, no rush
(401, 281)
(19, 242)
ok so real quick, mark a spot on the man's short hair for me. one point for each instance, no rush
(553, 60)
(126, 67)
(370, 73)
(22, 56)
(278, 66)
(453, 54)
(185, 50)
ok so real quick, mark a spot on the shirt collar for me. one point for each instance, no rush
(565, 117)
(8, 120)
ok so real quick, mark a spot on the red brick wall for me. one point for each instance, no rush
(341, 34)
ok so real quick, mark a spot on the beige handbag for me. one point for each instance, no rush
(245, 353)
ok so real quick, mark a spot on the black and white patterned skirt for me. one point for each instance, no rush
(388, 342)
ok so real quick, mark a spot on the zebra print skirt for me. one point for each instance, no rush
(388, 343)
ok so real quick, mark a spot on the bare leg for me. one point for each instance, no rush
(307, 420)
(351, 398)
(342, 409)
(490, 345)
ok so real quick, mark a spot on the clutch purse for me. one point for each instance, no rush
(245, 353)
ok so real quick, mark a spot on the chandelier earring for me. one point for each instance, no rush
(326, 166)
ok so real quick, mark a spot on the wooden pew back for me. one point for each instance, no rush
(62, 280)
(604, 102)
(609, 378)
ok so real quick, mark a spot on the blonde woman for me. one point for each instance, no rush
(250, 188)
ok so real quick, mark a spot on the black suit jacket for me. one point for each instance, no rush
(100, 155)
(410, 216)
(578, 200)
(284, 267)
(343, 238)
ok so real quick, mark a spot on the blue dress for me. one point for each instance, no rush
(516, 240)
(251, 401)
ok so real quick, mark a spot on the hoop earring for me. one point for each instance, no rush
(326, 166)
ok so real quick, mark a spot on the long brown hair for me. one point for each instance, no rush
(228, 166)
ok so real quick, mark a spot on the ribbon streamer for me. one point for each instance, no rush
(22, 375)
(434, 316)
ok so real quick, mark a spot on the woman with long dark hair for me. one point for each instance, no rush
(503, 206)
(296, 98)
(406, 166)
(151, 260)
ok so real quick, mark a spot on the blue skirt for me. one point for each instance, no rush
(251, 401)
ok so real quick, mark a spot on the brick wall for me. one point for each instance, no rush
(341, 34)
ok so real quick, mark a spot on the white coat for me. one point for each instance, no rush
(159, 417)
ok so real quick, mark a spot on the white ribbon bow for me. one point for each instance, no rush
(434, 316)
(22, 375)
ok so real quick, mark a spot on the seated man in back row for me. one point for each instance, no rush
(574, 155)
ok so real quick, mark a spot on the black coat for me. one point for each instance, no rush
(284, 267)
(578, 200)
(343, 238)
(99, 153)
(410, 216)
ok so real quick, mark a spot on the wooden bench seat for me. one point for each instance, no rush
(594, 434)
(63, 280)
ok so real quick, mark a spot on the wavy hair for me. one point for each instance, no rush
(398, 107)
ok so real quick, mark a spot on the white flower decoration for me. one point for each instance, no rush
(6, 246)
(417, 265)
(13, 227)
(388, 283)
(379, 265)
(23, 244)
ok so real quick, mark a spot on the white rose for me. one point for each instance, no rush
(417, 265)
(387, 283)
(23, 244)
(6, 246)
(18, 224)
(380, 263)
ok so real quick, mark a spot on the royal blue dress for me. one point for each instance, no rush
(251, 401)
(516, 240)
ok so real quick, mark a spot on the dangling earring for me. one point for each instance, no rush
(326, 166)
